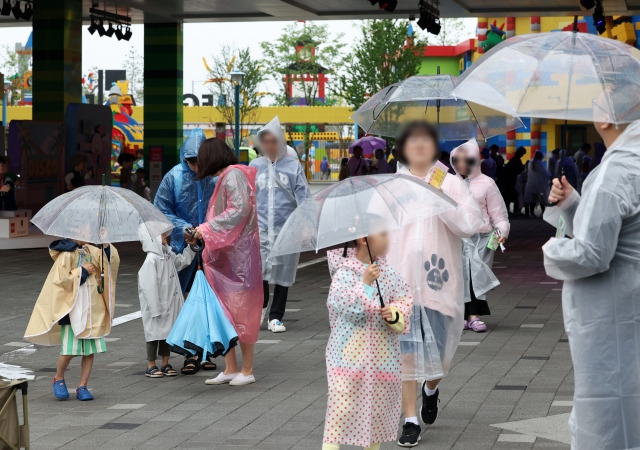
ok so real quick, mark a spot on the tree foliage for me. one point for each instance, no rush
(134, 65)
(14, 65)
(381, 57)
(228, 60)
(281, 59)
(452, 31)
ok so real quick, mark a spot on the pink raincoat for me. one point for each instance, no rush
(428, 255)
(232, 250)
(478, 259)
(363, 354)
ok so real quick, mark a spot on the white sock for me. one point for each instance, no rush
(413, 420)
(428, 391)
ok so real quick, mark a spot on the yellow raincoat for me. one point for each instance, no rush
(62, 293)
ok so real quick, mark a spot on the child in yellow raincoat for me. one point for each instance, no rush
(72, 311)
(363, 353)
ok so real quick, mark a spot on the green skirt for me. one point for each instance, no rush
(72, 346)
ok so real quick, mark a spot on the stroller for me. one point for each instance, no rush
(13, 435)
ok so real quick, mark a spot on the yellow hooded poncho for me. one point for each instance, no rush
(62, 294)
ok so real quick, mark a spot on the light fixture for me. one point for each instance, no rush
(28, 11)
(117, 24)
(110, 30)
(588, 4)
(388, 5)
(599, 20)
(17, 12)
(429, 18)
(6, 8)
(237, 77)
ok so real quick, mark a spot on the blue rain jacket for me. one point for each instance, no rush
(182, 198)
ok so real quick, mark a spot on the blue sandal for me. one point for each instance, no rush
(153, 372)
(60, 390)
(83, 394)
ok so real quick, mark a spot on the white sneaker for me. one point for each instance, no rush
(241, 380)
(222, 378)
(276, 326)
(264, 314)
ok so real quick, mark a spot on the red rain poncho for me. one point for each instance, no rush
(232, 250)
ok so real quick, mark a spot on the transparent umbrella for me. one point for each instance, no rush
(358, 207)
(99, 214)
(424, 97)
(563, 75)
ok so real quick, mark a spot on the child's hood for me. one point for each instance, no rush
(149, 244)
(337, 261)
(62, 245)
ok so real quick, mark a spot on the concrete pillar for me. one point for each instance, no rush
(163, 90)
(57, 57)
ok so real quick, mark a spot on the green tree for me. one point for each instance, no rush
(302, 49)
(13, 66)
(381, 57)
(134, 65)
(225, 61)
(452, 31)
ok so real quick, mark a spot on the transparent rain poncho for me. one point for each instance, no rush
(99, 214)
(280, 187)
(600, 300)
(476, 256)
(428, 255)
(182, 198)
(429, 98)
(560, 75)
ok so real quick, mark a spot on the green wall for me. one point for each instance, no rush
(448, 65)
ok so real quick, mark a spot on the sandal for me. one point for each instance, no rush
(153, 372)
(208, 365)
(190, 366)
(168, 370)
(477, 325)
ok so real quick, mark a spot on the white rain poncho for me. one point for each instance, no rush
(476, 256)
(600, 297)
(280, 187)
(428, 255)
(158, 287)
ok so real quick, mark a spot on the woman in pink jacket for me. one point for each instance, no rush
(477, 256)
(231, 255)
(428, 255)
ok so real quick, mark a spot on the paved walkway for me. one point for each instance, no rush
(510, 388)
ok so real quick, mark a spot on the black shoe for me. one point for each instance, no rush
(429, 410)
(410, 435)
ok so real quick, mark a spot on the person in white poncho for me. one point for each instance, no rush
(280, 187)
(601, 292)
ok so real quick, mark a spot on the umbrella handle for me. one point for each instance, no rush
(100, 287)
(377, 284)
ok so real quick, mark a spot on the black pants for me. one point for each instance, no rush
(155, 348)
(279, 300)
(475, 307)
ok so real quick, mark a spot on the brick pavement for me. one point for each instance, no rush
(519, 370)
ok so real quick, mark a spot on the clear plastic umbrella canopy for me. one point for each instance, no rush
(563, 75)
(358, 207)
(424, 97)
(99, 214)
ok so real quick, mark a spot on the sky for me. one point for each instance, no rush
(200, 40)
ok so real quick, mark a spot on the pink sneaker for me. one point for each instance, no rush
(478, 325)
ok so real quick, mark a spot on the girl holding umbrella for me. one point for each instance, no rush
(232, 252)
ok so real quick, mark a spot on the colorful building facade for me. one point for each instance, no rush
(538, 134)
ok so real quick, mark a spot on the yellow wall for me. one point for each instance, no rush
(207, 114)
